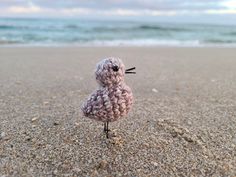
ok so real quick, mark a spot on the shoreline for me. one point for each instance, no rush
(112, 46)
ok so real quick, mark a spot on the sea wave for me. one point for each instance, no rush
(230, 33)
(162, 28)
(128, 28)
(116, 33)
(219, 41)
(4, 27)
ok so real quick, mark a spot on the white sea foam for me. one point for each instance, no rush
(144, 42)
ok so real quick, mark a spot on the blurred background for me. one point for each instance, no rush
(118, 22)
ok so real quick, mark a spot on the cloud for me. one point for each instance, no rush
(117, 7)
(132, 4)
(123, 4)
(230, 4)
(221, 11)
(22, 9)
(75, 11)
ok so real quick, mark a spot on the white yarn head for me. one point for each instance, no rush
(110, 71)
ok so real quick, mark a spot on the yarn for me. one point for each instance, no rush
(113, 99)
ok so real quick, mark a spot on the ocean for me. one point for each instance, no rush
(57, 32)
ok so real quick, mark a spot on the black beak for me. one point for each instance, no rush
(129, 71)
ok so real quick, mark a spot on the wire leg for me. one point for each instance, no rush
(105, 126)
(106, 129)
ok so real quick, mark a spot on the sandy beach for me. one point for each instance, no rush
(183, 121)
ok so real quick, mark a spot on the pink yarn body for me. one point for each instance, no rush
(114, 98)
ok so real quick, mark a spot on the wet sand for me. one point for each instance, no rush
(183, 122)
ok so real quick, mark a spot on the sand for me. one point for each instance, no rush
(183, 122)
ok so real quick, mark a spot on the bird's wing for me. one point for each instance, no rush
(98, 105)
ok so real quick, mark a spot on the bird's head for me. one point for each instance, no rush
(111, 71)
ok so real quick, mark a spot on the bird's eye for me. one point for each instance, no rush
(115, 68)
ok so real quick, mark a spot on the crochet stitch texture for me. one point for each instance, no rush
(113, 99)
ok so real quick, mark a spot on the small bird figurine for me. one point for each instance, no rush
(113, 99)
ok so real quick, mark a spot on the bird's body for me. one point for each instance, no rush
(113, 99)
(108, 104)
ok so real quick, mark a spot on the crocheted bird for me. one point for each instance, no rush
(113, 99)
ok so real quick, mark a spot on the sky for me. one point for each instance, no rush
(216, 11)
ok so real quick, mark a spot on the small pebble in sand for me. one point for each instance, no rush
(213, 80)
(34, 119)
(146, 145)
(2, 135)
(103, 164)
(154, 90)
(189, 122)
(27, 138)
(155, 164)
(77, 170)
(56, 123)
(45, 102)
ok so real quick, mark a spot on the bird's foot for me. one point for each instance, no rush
(107, 132)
